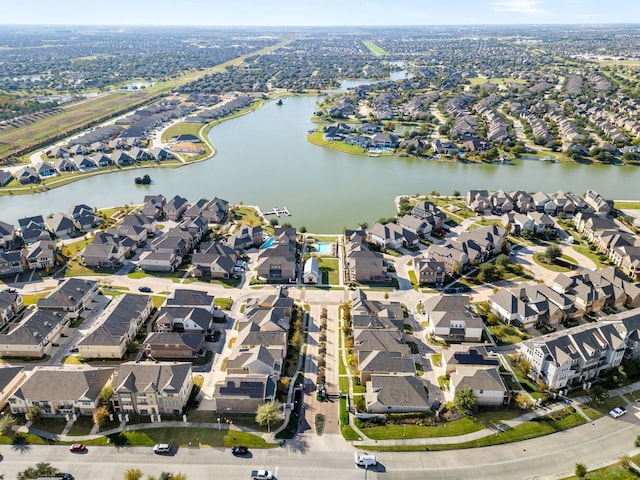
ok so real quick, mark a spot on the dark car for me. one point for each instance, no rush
(78, 448)
(239, 450)
(144, 289)
(64, 476)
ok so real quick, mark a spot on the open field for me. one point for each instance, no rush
(89, 112)
(375, 48)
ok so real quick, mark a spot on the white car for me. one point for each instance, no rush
(162, 448)
(617, 412)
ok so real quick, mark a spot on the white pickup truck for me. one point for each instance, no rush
(261, 475)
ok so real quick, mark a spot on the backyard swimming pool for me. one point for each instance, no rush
(323, 247)
(268, 243)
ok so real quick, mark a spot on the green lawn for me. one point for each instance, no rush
(449, 429)
(186, 436)
(628, 205)
(330, 268)
(611, 472)
(374, 48)
(607, 404)
(521, 432)
(507, 334)
(564, 264)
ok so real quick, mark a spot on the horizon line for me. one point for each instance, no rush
(547, 24)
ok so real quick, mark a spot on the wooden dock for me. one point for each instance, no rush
(277, 211)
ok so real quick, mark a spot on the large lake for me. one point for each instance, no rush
(264, 159)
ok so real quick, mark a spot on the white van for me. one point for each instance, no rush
(364, 460)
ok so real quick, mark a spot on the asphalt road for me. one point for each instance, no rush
(551, 457)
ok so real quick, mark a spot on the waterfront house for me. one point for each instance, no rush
(392, 236)
(7, 236)
(61, 225)
(5, 177)
(175, 207)
(45, 169)
(84, 164)
(417, 225)
(27, 175)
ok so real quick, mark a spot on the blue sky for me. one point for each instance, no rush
(325, 12)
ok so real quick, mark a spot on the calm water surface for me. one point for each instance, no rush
(264, 159)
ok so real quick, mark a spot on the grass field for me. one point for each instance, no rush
(497, 81)
(330, 270)
(374, 48)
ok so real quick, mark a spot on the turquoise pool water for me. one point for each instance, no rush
(323, 247)
(268, 243)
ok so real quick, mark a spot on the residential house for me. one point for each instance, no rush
(122, 158)
(574, 357)
(27, 175)
(41, 254)
(175, 207)
(246, 237)
(429, 271)
(257, 360)
(68, 390)
(33, 335)
(45, 169)
(174, 345)
(243, 393)
(152, 388)
(116, 327)
(5, 177)
(7, 236)
(451, 318)
(61, 225)
(216, 210)
(384, 363)
(363, 264)
(454, 259)
(11, 262)
(311, 272)
(10, 379)
(417, 225)
(484, 381)
(215, 260)
(278, 262)
(10, 304)
(72, 295)
(396, 394)
(392, 236)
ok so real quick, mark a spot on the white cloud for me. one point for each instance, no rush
(527, 7)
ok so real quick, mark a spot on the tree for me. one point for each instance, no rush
(598, 393)
(581, 470)
(6, 423)
(34, 413)
(133, 474)
(465, 400)
(552, 253)
(502, 260)
(104, 398)
(456, 193)
(268, 413)
(40, 470)
(100, 416)
(486, 271)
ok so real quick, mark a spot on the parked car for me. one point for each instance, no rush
(64, 476)
(162, 448)
(144, 289)
(617, 412)
(78, 448)
(239, 450)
